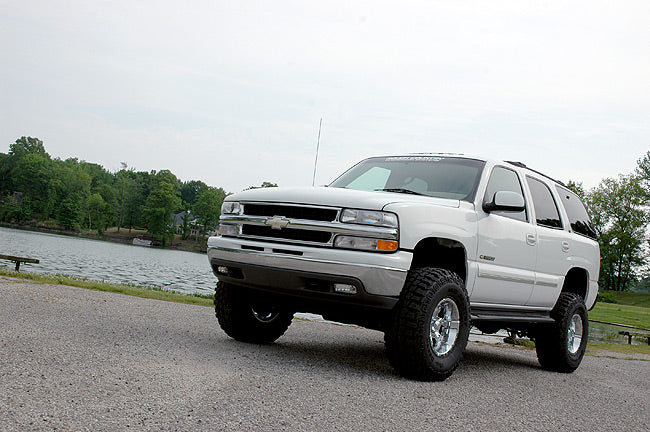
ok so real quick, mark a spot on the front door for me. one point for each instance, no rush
(507, 248)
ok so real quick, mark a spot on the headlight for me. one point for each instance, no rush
(365, 243)
(369, 217)
(230, 207)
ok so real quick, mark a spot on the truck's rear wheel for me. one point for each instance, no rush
(430, 325)
(561, 346)
(247, 320)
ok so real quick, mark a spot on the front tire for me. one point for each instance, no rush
(561, 346)
(245, 320)
(430, 325)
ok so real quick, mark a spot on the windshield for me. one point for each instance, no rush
(441, 177)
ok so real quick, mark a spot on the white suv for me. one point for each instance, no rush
(420, 247)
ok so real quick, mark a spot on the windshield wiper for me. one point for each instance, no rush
(401, 190)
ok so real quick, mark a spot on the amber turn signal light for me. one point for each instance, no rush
(386, 245)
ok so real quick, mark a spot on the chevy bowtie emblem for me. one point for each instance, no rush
(277, 222)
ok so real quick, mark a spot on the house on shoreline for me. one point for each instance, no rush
(185, 221)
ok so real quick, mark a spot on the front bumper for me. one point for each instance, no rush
(263, 263)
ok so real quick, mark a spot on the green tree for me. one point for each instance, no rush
(5, 168)
(70, 211)
(69, 187)
(190, 191)
(621, 221)
(125, 186)
(25, 210)
(576, 188)
(9, 210)
(186, 219)
(27, 145)
(643, 169)
(95, 206)
(110, 210)
(208, 209)
(163, 200)
(263, 185)
(31, 175)
(135, 196)
(643, 173)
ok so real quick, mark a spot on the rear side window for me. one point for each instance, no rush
(546, 212)
(577, 212)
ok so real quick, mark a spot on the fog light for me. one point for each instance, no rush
(222, 270)
(345, 288)
(228, 230)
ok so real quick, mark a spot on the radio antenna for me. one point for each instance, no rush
(320, 124)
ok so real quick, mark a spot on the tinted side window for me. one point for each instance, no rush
(504, 179)
(546, 212)
(578, 216)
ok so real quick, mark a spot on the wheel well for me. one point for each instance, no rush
(442, 253)
(576, 281)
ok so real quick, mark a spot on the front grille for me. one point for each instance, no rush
(287, 233)
(291, 212)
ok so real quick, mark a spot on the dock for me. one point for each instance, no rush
(19, 260)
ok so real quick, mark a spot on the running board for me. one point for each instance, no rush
(501, 315)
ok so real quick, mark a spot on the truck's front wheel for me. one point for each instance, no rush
(430, 325)
(247, 320)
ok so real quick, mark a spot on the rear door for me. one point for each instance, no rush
(552, 245)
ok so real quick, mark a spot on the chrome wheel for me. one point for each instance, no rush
(264, 314)
(445, 323)
(574, 334)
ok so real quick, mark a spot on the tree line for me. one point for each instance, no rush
(79, 194)
(620, 210)
(34, 187)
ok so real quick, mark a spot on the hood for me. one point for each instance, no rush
(336, 197)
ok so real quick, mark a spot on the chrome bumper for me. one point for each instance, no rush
(380, 274)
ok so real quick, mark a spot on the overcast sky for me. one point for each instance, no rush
(231, 93)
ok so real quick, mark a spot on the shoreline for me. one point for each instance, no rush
(111, 235)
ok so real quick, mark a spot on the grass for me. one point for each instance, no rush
(132, 290)
(595, 348)
(629, 298)
(636, 316)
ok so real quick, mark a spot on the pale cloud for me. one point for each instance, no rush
(231, 93)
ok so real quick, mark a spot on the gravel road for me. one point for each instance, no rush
(74, 359)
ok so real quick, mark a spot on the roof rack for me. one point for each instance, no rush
(523, 165)
(438, 153)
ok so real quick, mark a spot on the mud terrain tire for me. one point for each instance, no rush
(430, 325)
(561, 346)
(245, 320)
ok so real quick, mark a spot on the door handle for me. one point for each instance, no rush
(565, 246)
(531, 239)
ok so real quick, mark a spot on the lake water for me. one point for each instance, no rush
(186, 272)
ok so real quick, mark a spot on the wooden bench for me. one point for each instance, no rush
(630, 335)
(19, 260)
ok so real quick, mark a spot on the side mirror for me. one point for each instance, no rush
(505, 200)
